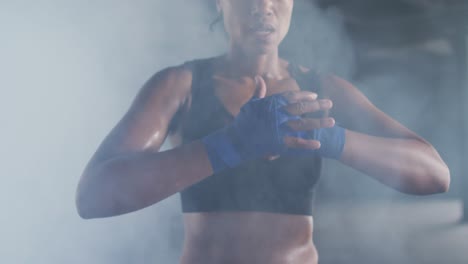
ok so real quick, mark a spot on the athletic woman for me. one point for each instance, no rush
(249, 131)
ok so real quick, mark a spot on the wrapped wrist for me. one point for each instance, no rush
(221, 150)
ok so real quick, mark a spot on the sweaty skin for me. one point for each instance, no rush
(249, 237)
(128, 172)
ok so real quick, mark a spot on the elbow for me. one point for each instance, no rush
(87, 209)
(89, 201)
(83, 205)
(439, 172)
(83, 212)
(98, 200)
(84, 196)
(436, 174)
(436, 182)
(93, 197)
(91, 207)
(442, 181)
(426, 182)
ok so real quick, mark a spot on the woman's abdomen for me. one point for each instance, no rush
(248, 237)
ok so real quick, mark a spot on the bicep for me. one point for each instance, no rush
(354, 111)
(145, 125)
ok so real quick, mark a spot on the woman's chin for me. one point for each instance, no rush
(262, 48)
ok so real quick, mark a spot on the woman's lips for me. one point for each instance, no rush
(262, 27)
(262, 31)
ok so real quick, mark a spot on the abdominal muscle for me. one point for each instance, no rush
(248, 238)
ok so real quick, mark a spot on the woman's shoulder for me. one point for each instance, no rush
(175, 81)
(194, 65)
(181, 72)
(177, 77)
(172, 82)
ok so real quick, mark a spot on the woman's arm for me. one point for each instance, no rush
(128, 172)
(381, 147)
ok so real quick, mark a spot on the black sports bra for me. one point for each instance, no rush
(285, 185)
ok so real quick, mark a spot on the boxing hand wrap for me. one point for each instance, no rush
(253, 134)
(258, 131)
(332, 141)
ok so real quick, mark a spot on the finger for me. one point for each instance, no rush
(260, 87)
(296, 96)
(300, 143)
(305, 124)
(303, 107)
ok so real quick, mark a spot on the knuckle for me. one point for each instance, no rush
(310, 107)
(300, 106)
(325, 103)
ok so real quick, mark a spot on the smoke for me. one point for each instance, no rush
(69, 71)
(317, 39)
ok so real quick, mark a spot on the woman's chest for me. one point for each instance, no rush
(232, 94)
(215, 103)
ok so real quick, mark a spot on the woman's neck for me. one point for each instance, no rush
(240, 63)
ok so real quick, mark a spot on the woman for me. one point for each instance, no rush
(249, 133)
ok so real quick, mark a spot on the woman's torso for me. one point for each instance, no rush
(260, 212)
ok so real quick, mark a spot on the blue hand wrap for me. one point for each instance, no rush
(258, 131)
(331, 139)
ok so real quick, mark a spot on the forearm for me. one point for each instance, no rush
(130, 182)
(407, 165)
